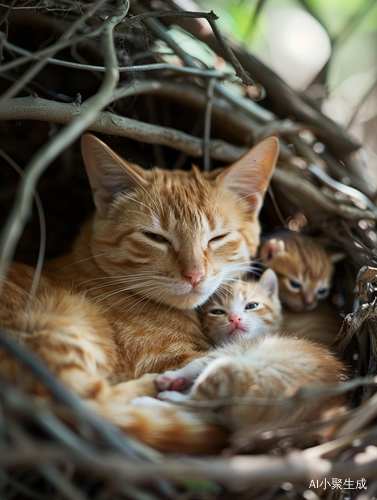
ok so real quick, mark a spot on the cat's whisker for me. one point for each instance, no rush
(147, 299)
(158, 192)
(247, 196)
(139, 184)
(143, 204)
(120, 282)
(147, 273)
(83, 260)
(105, 296)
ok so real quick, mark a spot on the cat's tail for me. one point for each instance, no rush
(165, 427)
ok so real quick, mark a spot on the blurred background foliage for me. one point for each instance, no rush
(326, 49)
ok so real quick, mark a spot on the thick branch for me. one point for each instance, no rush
(282, 96)
(307, 191)
(35, 108)
(262, 470)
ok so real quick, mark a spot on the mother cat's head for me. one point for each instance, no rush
(177, 235)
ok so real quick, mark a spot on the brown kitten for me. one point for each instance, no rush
(242, 309)
(304, 269)
(269, 367)
(121, 303)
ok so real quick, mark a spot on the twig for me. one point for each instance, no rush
(352, 322)
(149, 17)
(239, 471)
(304, 393)
(68, 490)
(281, 96)
(205, 73)
(207, 123)
(42, 241)
(107, 123)
(31, 72)
(21, 208)
(109, 433)
(307, 191)
(361, 103)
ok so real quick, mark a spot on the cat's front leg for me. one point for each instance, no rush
(182, 379)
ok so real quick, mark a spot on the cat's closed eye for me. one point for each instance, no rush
(321, 292)
(218, 238)
(156, 237)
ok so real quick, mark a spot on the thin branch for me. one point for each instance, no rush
(42, 240)
(352, 322)
(307, 191)
(34, 70)
(211, 17)
(360, 104)
(205, 73)
(207, 123)
(240, 471)
(21, 208)
(111, 435)
(35, 108)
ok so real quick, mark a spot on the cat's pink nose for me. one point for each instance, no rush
(194, 275)
(235, 318)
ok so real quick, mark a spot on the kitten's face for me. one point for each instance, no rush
(246, 309)
(304, 269)
(175, 235)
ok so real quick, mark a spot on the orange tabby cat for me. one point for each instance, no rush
(121, 304)
(304, 268)
(242, 309)
(269, 367)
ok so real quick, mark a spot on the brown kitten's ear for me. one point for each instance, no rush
(269, 283)
(272, 248)
(108, 173)
(250, 176)
(336, 257)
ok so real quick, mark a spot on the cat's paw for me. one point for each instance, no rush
(172, 381)
(172, 396)
(146, 401)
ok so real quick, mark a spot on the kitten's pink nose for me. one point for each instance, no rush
(235, 318)
(194, 275)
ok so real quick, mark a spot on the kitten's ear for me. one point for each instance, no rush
(269, 283)
(108, 173)
(250, 176)
(272, 248)
(336, 257)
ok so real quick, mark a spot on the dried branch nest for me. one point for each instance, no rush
(59, 67)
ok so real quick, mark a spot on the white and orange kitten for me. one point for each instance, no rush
(242, 309)
(270, 368)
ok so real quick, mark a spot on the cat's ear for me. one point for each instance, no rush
(250, 175)
(272, 248)
(108, 173)
(336, 257)
(269, 283)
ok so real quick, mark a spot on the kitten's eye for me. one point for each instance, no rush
(156, 237)
(217, 312)
(217, 238)
(322, 291)
(295, 284)
(251, 305)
